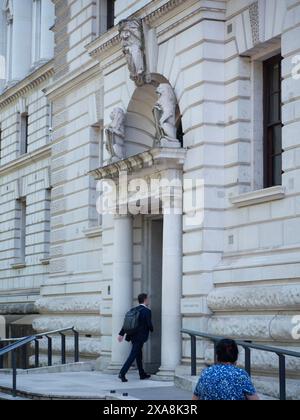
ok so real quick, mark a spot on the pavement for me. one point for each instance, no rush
(93, 385)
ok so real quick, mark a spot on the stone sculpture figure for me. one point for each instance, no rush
(164, 113)
(115, 135)
(132, 38)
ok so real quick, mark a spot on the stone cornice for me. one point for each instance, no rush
(33, 80)
(170, 158)
(29, 158)
(104, 43)
(108, 45)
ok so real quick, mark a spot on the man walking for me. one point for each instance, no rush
(138, 338)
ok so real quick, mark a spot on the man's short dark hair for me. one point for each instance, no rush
(227, 351)
(142, 297)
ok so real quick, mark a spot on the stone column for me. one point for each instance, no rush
(171, 294)
(3, 31)
(122, 285)
(21, 40)
(47, 36)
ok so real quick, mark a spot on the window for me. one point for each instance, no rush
(110, 13)
(272, 122)
(105, 15)
(24, 122)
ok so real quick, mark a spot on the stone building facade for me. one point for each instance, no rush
(233, 67)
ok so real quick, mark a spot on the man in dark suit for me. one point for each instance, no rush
(138, 339)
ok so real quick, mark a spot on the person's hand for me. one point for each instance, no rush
(120, 339)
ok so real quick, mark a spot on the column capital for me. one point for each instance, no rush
(118, 216)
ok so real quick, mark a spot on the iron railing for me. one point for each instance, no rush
(22, 343)
(247, 346)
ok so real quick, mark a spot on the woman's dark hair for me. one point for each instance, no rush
(227, 351)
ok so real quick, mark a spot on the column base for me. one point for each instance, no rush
(113, 368)
(165, 374)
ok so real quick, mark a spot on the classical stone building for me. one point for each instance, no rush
(193, 90)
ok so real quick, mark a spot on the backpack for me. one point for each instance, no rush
(131, 321)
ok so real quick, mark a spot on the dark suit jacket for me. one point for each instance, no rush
(145, 326)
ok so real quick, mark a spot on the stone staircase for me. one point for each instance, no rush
(80, 381)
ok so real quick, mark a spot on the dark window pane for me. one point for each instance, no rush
(277, 170)
(272, 122)
(275, 108)
(277, 140)
(275, 83)
(110, 13)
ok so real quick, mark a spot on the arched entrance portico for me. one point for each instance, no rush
(147, 164)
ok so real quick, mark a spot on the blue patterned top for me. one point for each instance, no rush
(224, 382)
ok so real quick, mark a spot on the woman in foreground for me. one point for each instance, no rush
(225, 381)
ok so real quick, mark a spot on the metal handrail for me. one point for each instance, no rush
(41, 335)
(247, 346)
(24, 341)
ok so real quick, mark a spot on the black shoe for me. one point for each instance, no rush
(145, 376)
(123, 378)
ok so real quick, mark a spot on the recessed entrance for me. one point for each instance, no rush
(152, 283)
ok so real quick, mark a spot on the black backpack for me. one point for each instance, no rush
(131, 321)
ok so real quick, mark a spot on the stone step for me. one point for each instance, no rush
(85, 386)
(69, 367)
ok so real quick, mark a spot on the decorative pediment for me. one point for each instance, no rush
(254, 29)
(148, 161)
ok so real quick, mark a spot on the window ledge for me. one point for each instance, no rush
(18, 265)
(45, 261)
(257, 197)
(94, 232)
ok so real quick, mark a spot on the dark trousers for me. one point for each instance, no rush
(135, 354)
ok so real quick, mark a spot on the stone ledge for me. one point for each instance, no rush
(269, 328)
(285, 297)
(258, 197)
(88, 304)
(17, 266)
(94, 232)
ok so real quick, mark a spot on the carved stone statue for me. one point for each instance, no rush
(132, 38)
(115, 135)
(164, 113)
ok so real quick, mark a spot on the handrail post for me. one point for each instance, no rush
(76, 346)
(1, 357)
(14, 368)
(24, 357)
(36, 353)
(63, 348)
(193, 355)
(49, 350)
(248, 358)
(282, 377)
